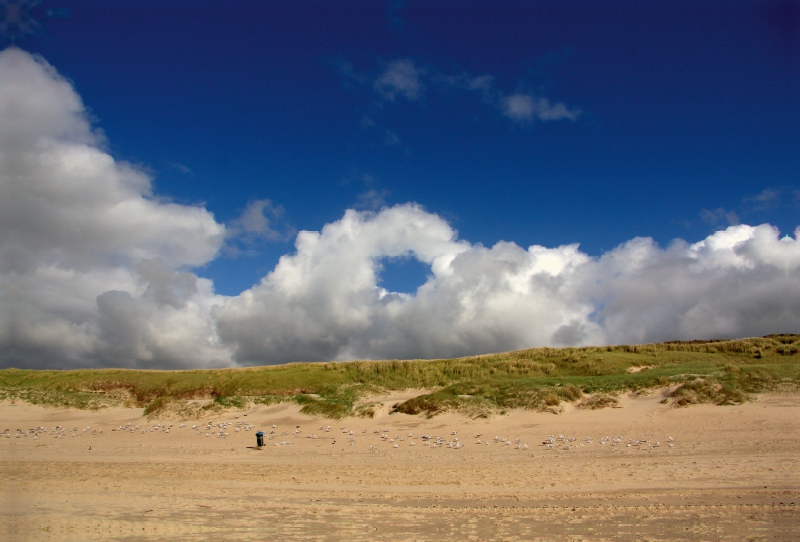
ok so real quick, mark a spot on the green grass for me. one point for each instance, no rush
(720, 372)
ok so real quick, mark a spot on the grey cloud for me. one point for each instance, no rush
(400, 78)
(372, 199)
(404, 78)
(262, 220)
(769, 197)
(391, 138)
(715, 217)
(526, 107)
(183, 168)
(166, 286)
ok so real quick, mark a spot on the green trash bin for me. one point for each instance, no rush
(260, 439)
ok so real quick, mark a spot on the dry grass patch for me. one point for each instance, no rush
(540, 379)
(707, 390)
(598, 401)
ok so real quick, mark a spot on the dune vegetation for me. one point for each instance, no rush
(721, 372)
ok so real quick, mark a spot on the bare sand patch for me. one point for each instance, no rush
(380, 404)
(732, 473)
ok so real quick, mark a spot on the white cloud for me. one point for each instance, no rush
(92, 267)
(400, 78)
(94, 271)
(325, 302)
(742, 281)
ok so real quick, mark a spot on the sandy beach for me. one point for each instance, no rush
(641, 472)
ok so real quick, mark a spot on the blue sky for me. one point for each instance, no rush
(544, 123)
(685, 107)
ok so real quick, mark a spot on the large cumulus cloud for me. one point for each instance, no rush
(93, 268)
(325, 302)
(96, 271)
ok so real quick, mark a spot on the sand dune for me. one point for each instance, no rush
(732, 473)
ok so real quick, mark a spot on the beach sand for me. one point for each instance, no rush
(733, 473)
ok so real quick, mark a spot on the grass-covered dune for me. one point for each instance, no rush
(719, 371)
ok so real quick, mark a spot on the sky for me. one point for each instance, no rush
(207, 183)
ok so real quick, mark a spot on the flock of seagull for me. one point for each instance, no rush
(567, 442)
(221, 430)
(212, 429)
(452, 441)
(58, 431)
